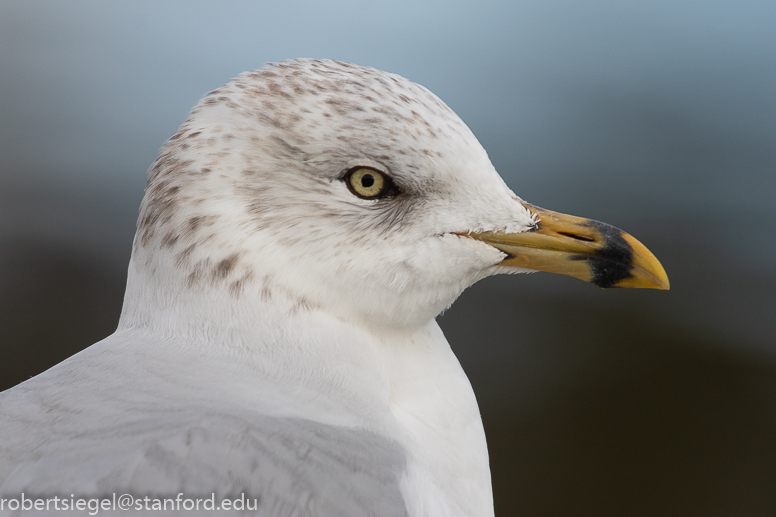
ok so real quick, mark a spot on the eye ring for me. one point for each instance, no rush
(368, 183)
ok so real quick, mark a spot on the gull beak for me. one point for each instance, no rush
(589, 250)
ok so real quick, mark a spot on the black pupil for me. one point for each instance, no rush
(367, 180)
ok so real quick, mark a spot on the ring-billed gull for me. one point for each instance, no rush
(298, 236)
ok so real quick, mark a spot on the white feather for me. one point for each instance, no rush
(278, 333)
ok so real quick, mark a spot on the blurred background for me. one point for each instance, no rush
(658, 117)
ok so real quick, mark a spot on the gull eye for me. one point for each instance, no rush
(368, 183)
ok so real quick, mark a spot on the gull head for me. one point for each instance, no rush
(320, 185)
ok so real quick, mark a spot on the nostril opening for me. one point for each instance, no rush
(577, 237)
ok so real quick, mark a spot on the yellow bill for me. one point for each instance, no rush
(583, 248)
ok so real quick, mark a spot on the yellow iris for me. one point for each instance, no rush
(367, 183)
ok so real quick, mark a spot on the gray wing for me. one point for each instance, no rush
(292, 467)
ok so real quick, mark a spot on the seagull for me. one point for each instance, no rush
(298, 236)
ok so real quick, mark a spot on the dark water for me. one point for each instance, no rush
(602, 409)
